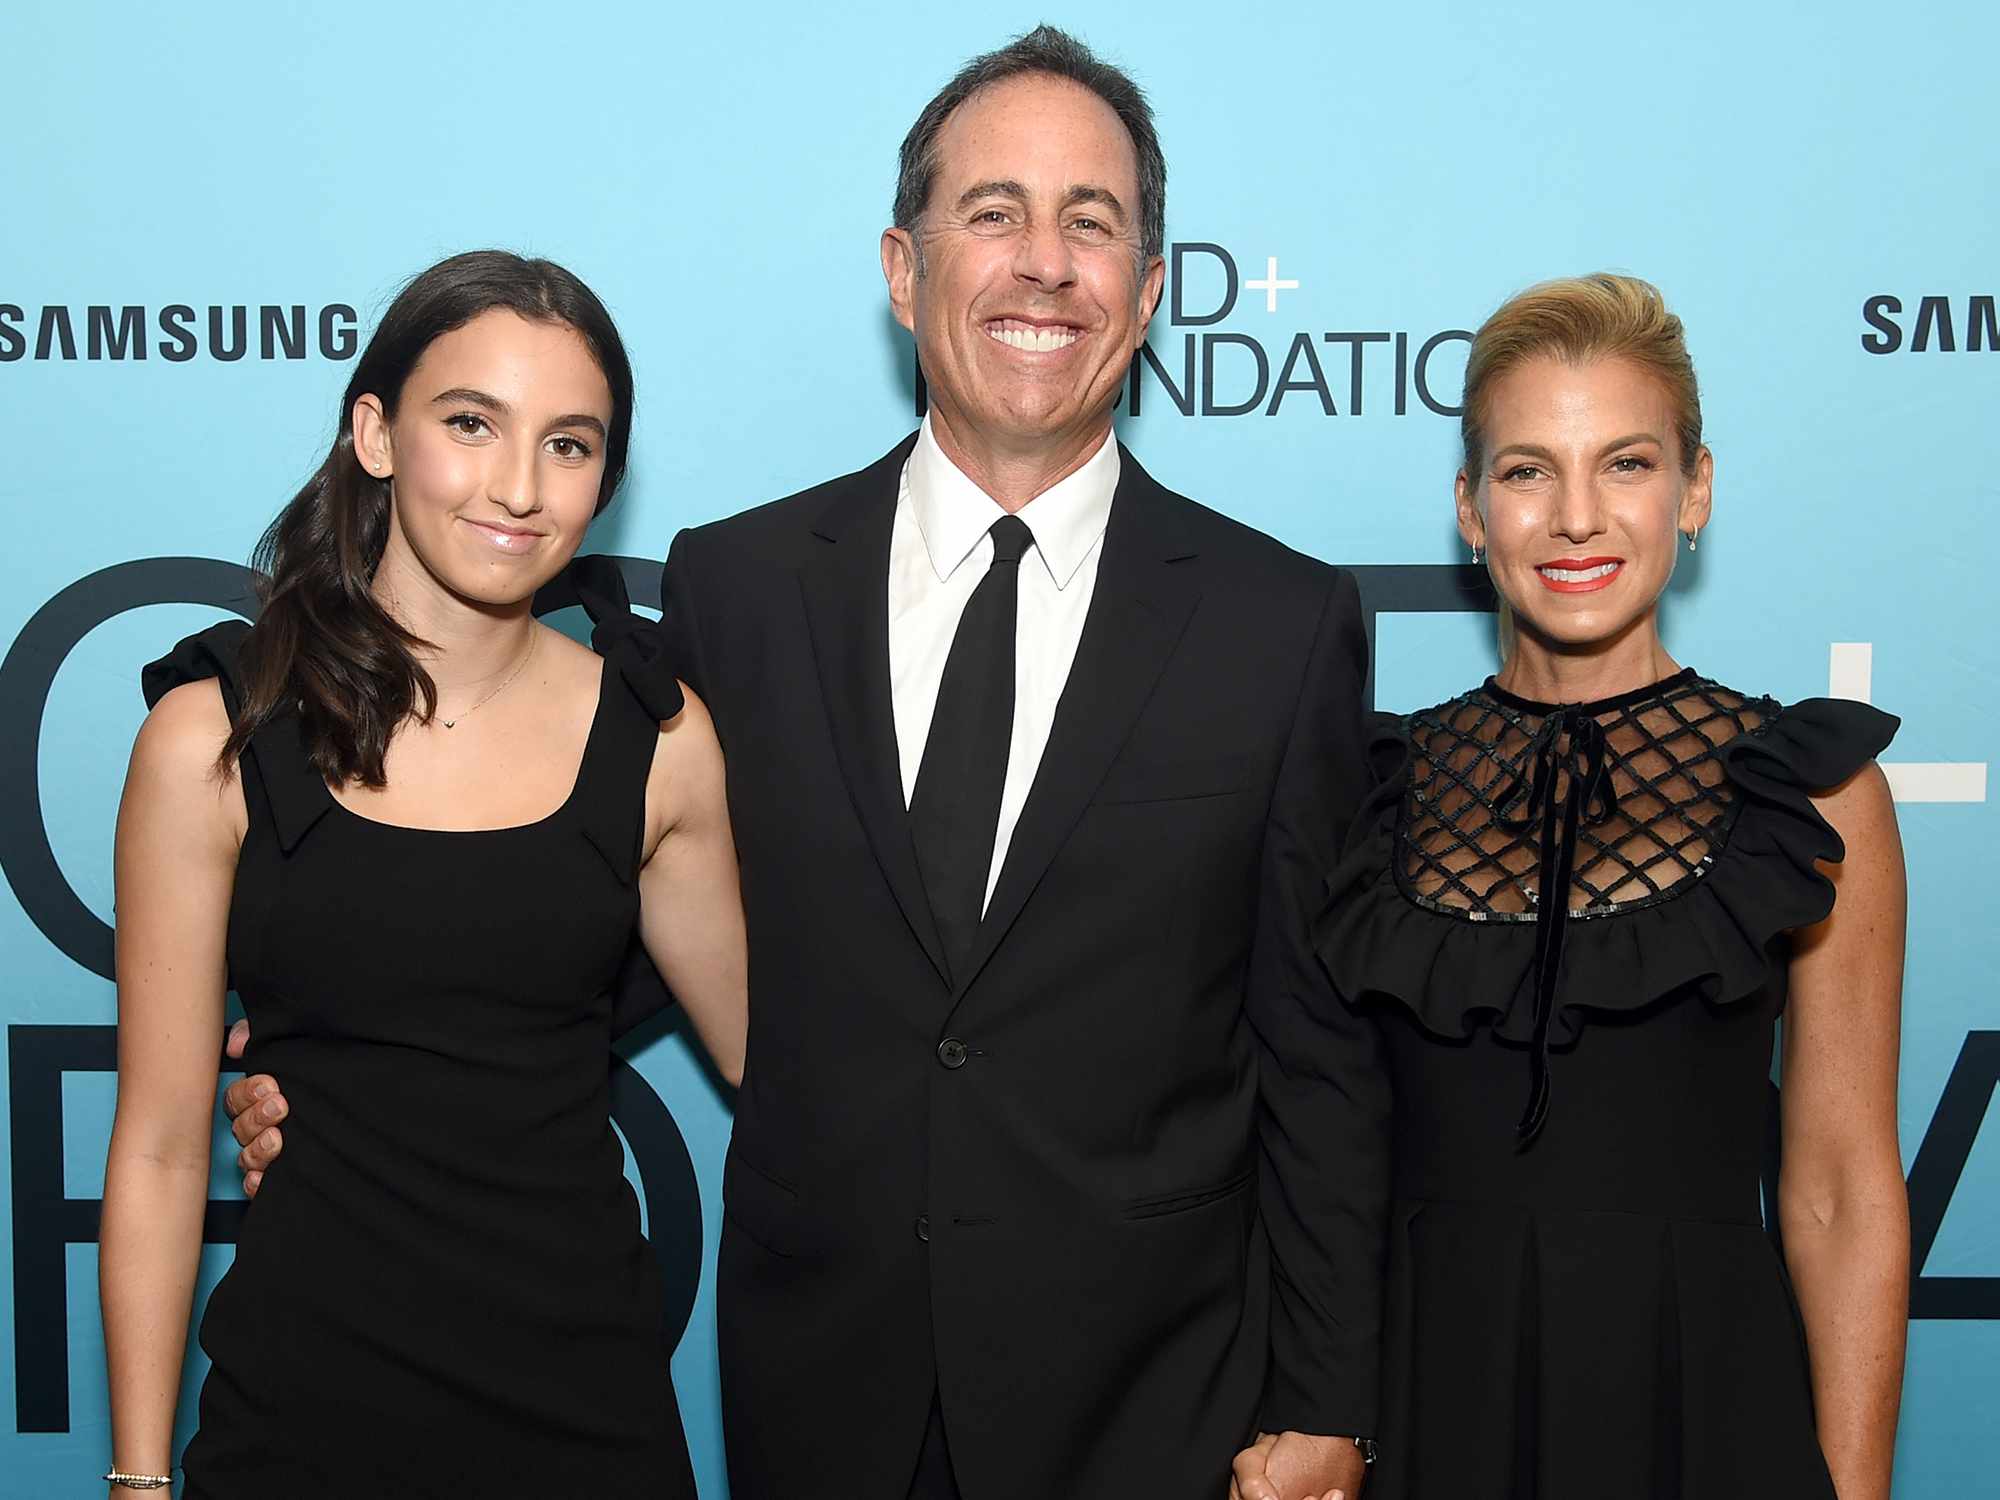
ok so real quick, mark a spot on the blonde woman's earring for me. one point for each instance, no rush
(1691, 537)
(1478, 556)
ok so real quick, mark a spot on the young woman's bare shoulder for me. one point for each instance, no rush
(688, 780)
(178, 753)
(186, 729)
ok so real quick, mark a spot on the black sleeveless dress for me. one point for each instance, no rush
(1582, 1299)
(466, 1306)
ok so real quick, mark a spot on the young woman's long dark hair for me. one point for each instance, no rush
(322, 644)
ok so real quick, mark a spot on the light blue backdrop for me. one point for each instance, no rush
(721, 176)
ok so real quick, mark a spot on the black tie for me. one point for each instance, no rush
(956, 806)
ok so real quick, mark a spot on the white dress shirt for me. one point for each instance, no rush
(938, 551)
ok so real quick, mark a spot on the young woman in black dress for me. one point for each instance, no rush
(1578, 904)
(416, 830)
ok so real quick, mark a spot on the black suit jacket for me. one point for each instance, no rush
(1118, 1194)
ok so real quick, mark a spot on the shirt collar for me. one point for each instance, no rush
(953, 514)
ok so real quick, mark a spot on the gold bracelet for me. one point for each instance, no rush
(139, 1481)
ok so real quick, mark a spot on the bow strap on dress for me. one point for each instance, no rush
(1564, 782)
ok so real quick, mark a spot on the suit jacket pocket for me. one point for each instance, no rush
(1188, 1201)
(759, 1204)
(1145, 780)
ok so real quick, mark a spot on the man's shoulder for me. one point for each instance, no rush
(778, 529)
(1235, 552)
(763, 528)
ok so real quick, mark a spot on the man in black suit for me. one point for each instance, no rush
(1056, 1169)
(1048, 1114)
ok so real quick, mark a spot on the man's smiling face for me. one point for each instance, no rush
(1025, 285)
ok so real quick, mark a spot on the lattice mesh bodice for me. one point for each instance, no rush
(1490, 773)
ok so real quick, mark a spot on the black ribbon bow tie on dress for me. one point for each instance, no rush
(1573, 742)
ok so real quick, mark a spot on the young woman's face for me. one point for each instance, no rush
(495, 455)
(1582, 496)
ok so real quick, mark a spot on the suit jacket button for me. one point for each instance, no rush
(924, 1228)
(951, 1052)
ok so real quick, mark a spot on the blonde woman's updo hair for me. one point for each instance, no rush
(1576, 320)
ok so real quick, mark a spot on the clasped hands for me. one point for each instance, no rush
(1297, 1466)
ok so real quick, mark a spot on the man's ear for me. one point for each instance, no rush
(1151, 284)
(372, 442)
(899, 269)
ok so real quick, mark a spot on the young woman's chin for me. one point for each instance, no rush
(496, 582)
(497, 591)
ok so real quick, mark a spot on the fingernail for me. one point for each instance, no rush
(262, 1091)
(273, 1110)
(268, 1139)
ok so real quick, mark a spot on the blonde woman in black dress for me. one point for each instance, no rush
(1579, 904)
(416, 830)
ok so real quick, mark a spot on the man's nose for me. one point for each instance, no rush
(1043, 256)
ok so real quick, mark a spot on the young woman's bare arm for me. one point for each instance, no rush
(690, 907)
(179, 828)
(1841, 1199)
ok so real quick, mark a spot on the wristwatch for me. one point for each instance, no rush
(1367, 1447)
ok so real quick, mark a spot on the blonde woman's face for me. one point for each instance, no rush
(1583, 496)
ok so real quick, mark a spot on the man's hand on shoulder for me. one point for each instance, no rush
(254, 1106)
(1298, 1466)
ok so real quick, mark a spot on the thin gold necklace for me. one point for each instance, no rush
(533, 636)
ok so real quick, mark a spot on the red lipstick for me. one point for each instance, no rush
(1579, 575)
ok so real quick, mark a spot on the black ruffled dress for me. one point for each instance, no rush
(1583, 1303)
(442, 1289)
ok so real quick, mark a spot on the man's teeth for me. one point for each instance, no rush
(1579, 575)
(1040, 340)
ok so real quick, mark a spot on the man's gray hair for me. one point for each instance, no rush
(1055, 54)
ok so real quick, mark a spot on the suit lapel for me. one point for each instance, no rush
(846, 589)
(1144, 594)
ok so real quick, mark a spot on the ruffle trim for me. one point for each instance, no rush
(211, 653)
(1717, 938)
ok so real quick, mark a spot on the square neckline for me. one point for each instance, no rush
(590, 746)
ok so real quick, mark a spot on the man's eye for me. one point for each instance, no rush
(1522, 472)
(1637, 465)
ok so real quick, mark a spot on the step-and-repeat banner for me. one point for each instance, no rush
(202, 210)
